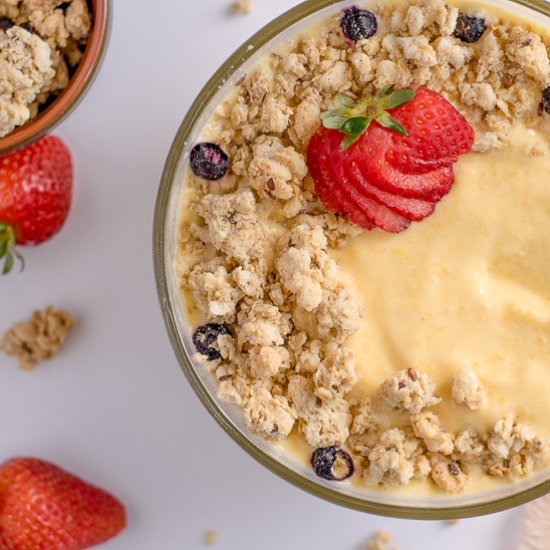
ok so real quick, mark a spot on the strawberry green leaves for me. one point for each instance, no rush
(389, 122)
(8, 252)
(353, 117)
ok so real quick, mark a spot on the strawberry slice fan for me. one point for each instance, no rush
(386, 161)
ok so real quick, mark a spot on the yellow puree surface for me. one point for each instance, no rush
(469, 285)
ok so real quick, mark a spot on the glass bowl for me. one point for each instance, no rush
(78, 85)
(229, 417)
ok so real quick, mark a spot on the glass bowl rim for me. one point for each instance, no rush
(169, 179)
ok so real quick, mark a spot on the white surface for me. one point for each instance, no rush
(114, 407)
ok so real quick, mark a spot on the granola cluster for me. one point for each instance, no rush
(38, 339)
(393, 456)
(242, 6)
(380, 541)
(255, 254)
(41, 44)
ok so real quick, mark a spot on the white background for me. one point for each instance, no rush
(114, 407)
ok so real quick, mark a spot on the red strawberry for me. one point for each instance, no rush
(334, 198)
(370, 177)
(332, 162)
(437, 134)
(361, 167)
(35, 192)
(413, 209)
(45, 508)
(432, 185)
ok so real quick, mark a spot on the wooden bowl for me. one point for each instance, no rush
(78, 85)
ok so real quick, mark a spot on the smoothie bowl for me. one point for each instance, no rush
(350, 249)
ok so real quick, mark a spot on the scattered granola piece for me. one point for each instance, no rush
(210, 537)
(447, 474)
(409, 391)
(242, 7)
(38, 339)
(380, 541)
(467, 389)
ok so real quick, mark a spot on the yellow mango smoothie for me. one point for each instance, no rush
(364, 243)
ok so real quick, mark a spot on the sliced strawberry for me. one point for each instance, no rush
(376, 168)
(410, 165)
(387, 160)
(381, 216)
(432, 186)
(412, 208)
(437, 134)
(316, 164)
(332, 195)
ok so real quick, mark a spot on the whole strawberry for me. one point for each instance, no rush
(42, 507)
(35, 195)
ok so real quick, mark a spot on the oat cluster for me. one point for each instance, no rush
(242, 6)
(392, 456)
(36, 59)
(255, 253)
(380, 541)
(38, 339)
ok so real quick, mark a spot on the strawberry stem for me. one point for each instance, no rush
(353, 117)
(8, 251)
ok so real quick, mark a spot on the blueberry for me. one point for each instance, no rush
(358, 24)
(546, 100)
(469, 28)
(205, 336)
(209, 161)
(28, 27)
(332, 464)
(6, 23)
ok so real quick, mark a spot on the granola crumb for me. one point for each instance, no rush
(467, 389)
(380, 541)
(515, 450)
(448, 474)
(210, 537)
(427, 427)
(38, 339)
(242, 7)
(408, 391)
